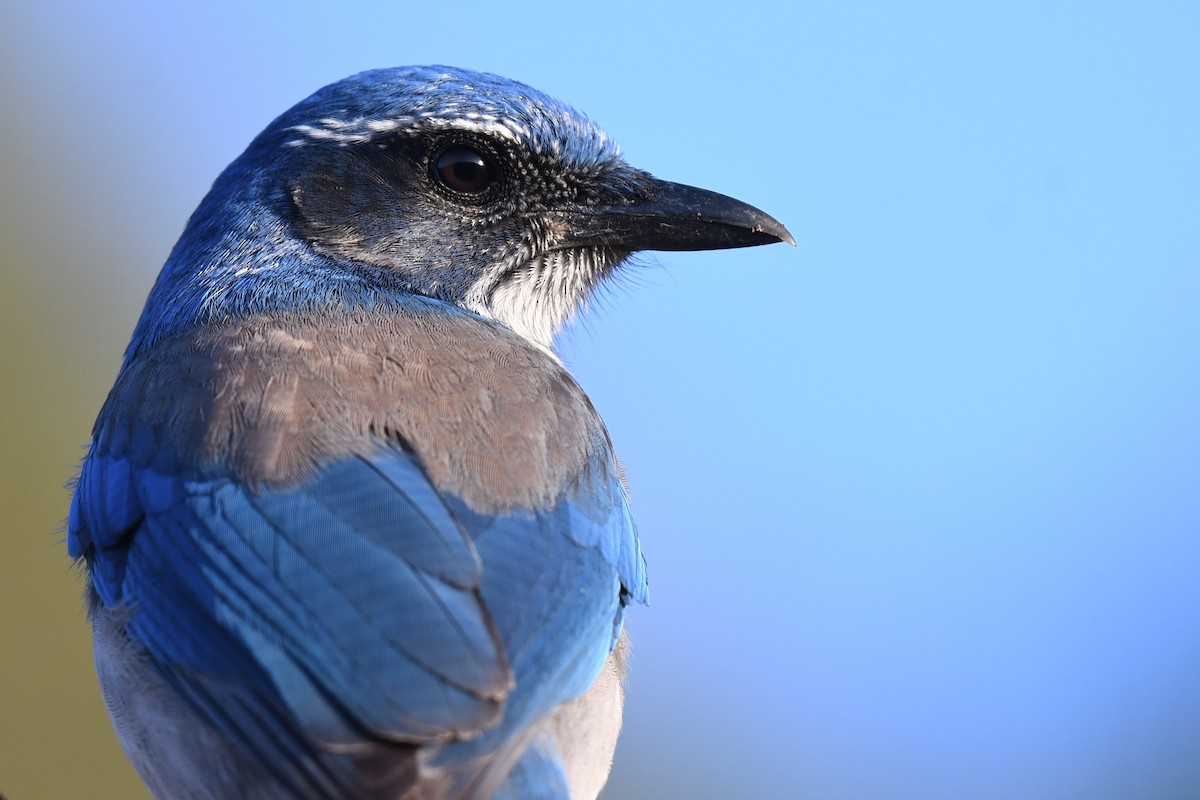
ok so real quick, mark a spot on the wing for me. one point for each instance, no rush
(339, 612)
(557, 583)
(361, 607)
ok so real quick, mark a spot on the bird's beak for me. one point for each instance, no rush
(675, 217)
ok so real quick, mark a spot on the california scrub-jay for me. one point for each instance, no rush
(351, 529)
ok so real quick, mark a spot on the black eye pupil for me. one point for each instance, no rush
(461, 169)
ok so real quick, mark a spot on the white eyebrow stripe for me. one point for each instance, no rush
(359, 131)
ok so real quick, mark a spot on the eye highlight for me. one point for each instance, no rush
(463, 170)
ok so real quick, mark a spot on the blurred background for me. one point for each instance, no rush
(920, 498)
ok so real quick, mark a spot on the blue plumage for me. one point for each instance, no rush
(351, 529)
(295, 595)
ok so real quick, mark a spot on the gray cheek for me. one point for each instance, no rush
(347, 208)
(380, 212)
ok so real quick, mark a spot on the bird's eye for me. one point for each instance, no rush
(461, 169)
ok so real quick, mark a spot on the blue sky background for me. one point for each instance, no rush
(920, 497)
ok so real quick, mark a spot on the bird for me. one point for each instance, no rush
(349, 527)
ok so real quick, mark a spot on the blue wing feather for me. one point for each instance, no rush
(317, 583)
(557, 585)
(363, 604)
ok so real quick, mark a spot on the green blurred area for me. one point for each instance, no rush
(58, 355)
(55, 738)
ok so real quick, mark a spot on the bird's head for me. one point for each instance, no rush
(457, 185)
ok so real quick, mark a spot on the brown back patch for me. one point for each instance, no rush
(272, 397)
